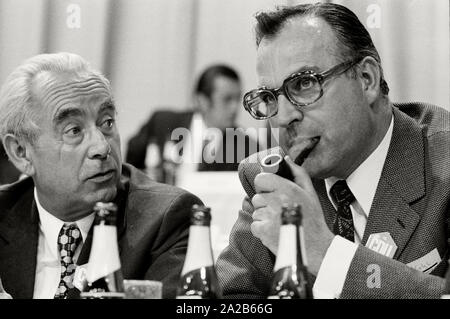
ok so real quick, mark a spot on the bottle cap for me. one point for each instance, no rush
(291, 214)
(200, 215)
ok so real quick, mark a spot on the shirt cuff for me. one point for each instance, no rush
(334, 268)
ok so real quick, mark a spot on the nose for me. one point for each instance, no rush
(100, 147)
(287, 112)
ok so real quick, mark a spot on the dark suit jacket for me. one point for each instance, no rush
(8, 172)
(152, 227)
(159, 129)
(412, 203)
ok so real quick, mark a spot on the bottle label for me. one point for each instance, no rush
(287, 247)
(199, 253)
(104, 257)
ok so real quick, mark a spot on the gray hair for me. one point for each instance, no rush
(19, 106)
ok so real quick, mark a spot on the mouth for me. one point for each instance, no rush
(103, 176)
(301, 148)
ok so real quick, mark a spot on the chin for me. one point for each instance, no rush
(103, 195)
(316, 168)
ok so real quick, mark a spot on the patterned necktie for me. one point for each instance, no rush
(68, 240)
(343, 197)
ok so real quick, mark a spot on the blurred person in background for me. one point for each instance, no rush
(58, 127)
(217, 98)
(372, 177)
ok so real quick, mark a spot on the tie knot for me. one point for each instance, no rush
(341, 193)
(69, 238)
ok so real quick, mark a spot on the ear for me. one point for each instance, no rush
(370, 76)
(19, 153)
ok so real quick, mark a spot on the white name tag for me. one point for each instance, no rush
(426, 263)
(382, 243)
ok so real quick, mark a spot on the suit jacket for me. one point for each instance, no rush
(412, 203)
(159, 129)
(152, 228)
(8, 172)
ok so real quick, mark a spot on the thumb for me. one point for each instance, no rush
(301, 176)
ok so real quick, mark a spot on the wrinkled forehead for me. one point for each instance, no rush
(54, 91)
(302, 43)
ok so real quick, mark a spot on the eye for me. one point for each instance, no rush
(73, 131)
(303, 83)
(306, 83)
(108, 123)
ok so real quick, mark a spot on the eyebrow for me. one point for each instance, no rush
(60, 116)
(107, 106)
(307, 68)
(66, 113)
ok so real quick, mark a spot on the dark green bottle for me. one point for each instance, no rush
(198, 278)
(291, 279)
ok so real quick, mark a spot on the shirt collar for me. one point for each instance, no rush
(50, 226)
(364, 180)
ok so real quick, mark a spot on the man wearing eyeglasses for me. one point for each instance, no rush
(372, 177)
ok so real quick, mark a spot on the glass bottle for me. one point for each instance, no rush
(291, 278)
(198, 278)
(103, 274)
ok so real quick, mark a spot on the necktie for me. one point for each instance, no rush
(343, 197)
(68, 240)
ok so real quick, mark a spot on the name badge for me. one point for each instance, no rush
(426, 263)
(382, 243)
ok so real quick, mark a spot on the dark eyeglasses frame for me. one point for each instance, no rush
(321, 77)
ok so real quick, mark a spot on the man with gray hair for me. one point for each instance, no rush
(372, 177)
(58, 127)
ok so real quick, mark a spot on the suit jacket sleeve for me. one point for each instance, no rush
(245, 267)
(170, 246)
(372, 275)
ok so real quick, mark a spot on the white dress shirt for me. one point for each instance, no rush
(194, 152)
(363, 183)
(48, 265)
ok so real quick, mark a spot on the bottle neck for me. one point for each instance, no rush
(104, 257)
(199, 252)
(290, 247)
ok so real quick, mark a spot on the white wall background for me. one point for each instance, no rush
(153, 50)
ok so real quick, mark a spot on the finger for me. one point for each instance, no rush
(262, 214)
(256, 227)
(301, 176)
(259, 201)
(268, 182)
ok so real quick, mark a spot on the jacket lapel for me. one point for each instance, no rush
(402, 182)
(18, 249)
